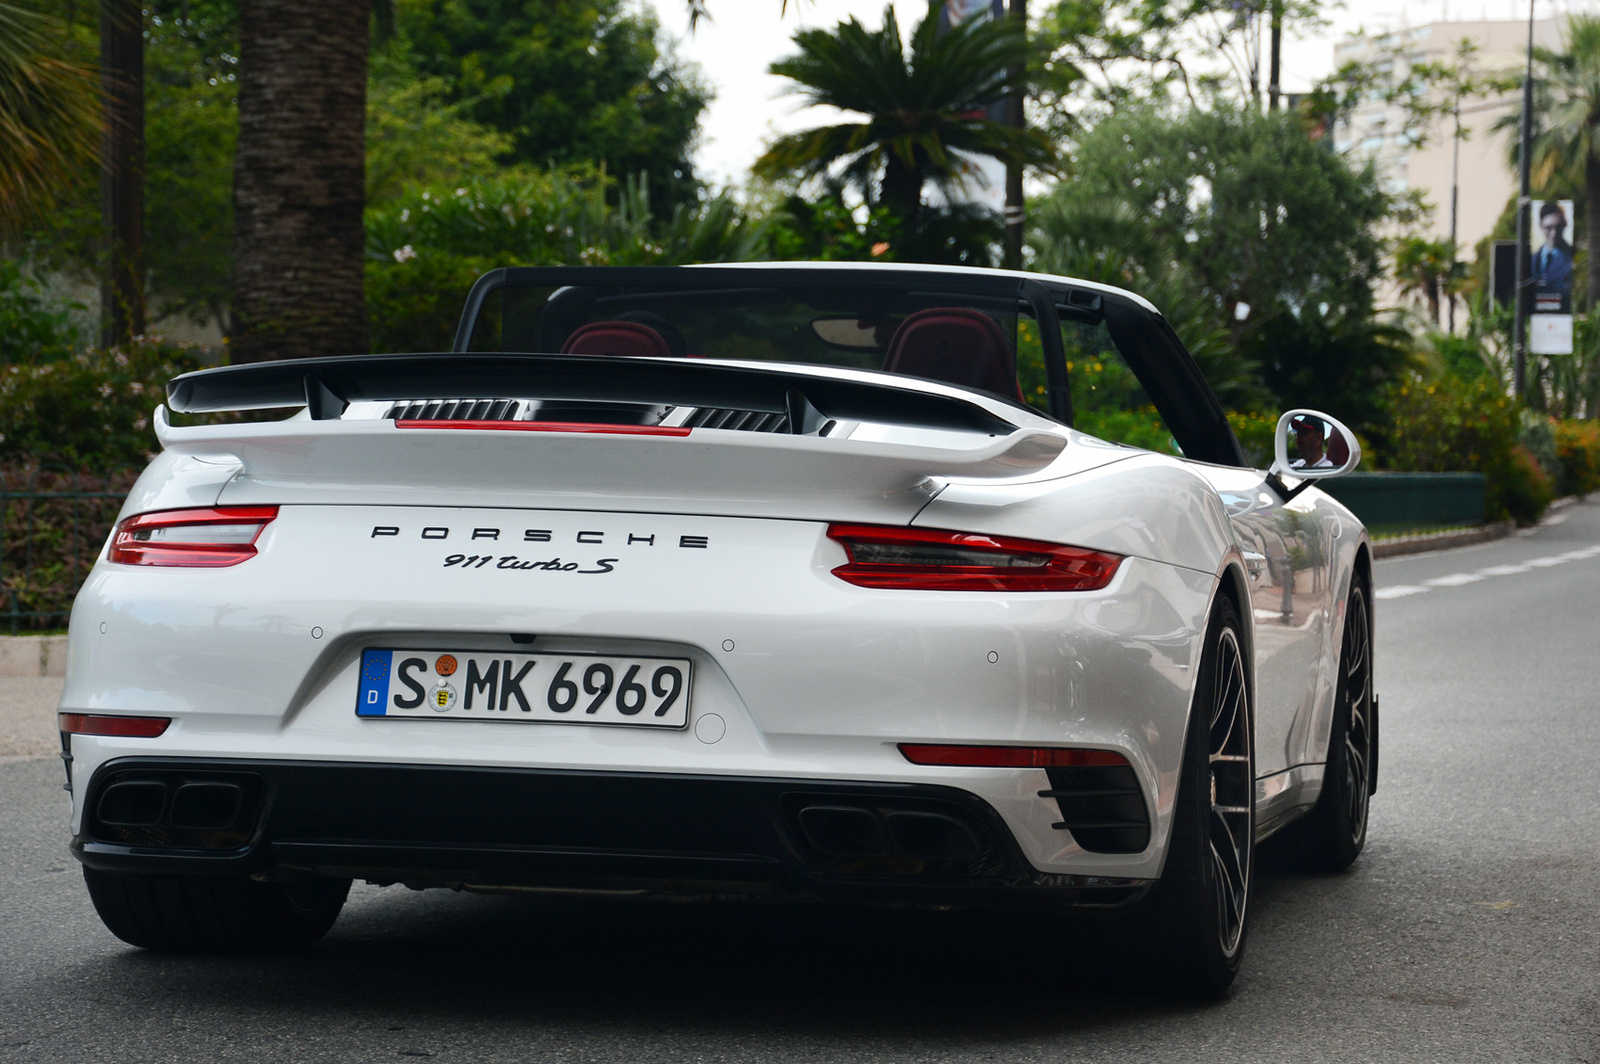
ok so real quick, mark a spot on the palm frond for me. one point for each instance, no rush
(49, 116)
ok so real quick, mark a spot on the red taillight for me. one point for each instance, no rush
(548, 426)
(211, 537)
(1010, 756)
(935, 560)
(98, 724)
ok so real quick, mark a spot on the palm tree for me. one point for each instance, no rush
(926, 110)
(1566, 113)
(49, 116)
(1426, 268)
(299, 179)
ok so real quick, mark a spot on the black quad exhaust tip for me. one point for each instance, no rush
(844, 831)
(932, 836)
(133, 804)
(206, 806)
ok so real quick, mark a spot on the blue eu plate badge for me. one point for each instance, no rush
(373, 700)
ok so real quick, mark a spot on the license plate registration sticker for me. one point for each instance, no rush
(539, 688)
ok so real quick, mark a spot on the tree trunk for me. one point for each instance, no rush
(902, 194)
(122, 171)
(299, 179)
(1016, 207)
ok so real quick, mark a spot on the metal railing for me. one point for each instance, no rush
(53, 523)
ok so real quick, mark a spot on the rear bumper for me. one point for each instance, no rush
(508, 827)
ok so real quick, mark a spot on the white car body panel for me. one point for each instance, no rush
(713, 546)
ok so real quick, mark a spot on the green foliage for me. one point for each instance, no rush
(1445, 424)
(90, 410)
(50, 536)
(1254, 209)
(567, 80)
(1105, 239)
(427, 247)
(416, 135)
(1525, 491)
(1257, 242)
(1256, 433)
(1341, 363)
(925, 116)
(49, 112)
(33, 328)
(1577, 448)
(191, 127)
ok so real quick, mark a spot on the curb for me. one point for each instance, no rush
(1463, 537)
(33, 655)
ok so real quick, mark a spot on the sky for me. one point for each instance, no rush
(734, 50)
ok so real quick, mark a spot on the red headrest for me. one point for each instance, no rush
(1338, 449)
(616, 338)
(956, 345)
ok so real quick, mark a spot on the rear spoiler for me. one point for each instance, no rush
(326, 386)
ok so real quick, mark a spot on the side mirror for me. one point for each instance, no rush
(1311, 445)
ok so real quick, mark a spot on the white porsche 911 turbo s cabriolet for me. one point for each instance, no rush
(776, 580)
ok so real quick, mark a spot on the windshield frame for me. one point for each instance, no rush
(1001, 287)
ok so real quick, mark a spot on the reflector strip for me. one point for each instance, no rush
(931, 559)
(210, 537)
(548, 426)
(98, 724)
(1010, 756)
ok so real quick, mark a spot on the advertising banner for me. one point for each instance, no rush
(1550, 328)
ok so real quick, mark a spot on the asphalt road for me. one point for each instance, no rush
(1469, 931)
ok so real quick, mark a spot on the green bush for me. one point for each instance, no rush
(425, 248)
(1446, 424)
(1527, 490)
(89, 410)
(1255, 432)
(1577, 445)
(32, 328)
(52, 525)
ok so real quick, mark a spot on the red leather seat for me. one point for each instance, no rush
(956, 345)
(616, 338)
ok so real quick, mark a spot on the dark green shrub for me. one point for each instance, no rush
(33, 329)
(52, 524)
(1578, 449)
(1524, 491)
(89, 410)
(1447, 424)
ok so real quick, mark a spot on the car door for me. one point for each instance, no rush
(1287, 551)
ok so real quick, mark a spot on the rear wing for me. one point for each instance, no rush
(808, 396)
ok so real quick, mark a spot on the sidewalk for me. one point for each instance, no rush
(28, 717)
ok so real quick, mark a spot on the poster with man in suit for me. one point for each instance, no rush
(1550, 327)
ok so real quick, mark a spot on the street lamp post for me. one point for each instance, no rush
(1519, 329)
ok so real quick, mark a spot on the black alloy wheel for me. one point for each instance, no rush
(1333, 834)
(1195, 923)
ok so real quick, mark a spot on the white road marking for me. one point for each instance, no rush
(1459, 579)
(1455, 580)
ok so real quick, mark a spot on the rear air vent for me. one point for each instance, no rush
(1102, 806)
(738, 420)
(457, 410)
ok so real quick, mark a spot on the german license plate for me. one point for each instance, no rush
(542, 688)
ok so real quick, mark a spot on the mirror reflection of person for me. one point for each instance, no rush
(1552, 263)
(1309, 442)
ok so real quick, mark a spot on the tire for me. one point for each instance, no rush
(215, 914)
(1333, 834)
(1194, 925)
